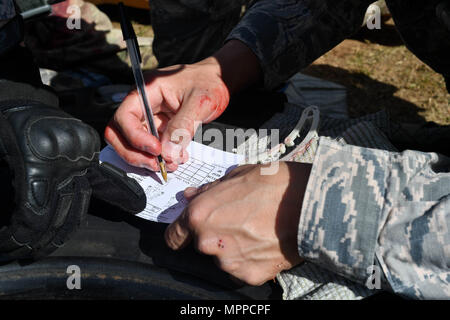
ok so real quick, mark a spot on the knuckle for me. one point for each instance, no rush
(129, 159)
(63, 138)
(133, 139)
(108, 134)
(229, 267)
(203, 245)
(181, 127)
(205, 187)
(195, 218)
(196, 214)
(117, 117)
(252, 279)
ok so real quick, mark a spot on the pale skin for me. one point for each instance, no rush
(246, 220)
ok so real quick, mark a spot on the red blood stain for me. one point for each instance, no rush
(215, 102)
(212, 103)
(223, 97)
(205, 100)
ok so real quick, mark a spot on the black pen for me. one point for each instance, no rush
(135, 56)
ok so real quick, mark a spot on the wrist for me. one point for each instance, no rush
(297, 177)
(236, 65)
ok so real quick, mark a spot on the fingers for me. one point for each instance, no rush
(182, 231)
(161, 120)
(195, 108)
(131, 155)
(192, 223)
(178, 134)
(127, 132)
(191, 192)
(177, 234)
(129, 122)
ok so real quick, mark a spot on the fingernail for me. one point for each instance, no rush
(190, 192)
(148, 167)
(148, 149)
(171, 166)
(184, 157)
(172, 151)
(168, 237)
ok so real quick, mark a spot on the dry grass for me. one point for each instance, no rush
(380, 72)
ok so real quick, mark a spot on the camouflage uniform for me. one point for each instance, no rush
(363, 207)
(367, 207)
(187, 31)
(7, 10)
(288, 35)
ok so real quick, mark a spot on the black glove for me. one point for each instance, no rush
(53, 159)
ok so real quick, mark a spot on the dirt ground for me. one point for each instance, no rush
(378, 71)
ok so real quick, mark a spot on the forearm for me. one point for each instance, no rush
(366, 207)
(287, 36)
(236, 64)
(275, 39)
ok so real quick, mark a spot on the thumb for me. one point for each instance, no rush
(197, 107)
(177, 234)
(179, 132)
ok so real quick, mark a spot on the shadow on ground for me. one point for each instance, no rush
(366, 95)
(386, 36)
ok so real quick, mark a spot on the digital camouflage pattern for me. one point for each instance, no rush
(7, 10)
(362, 206)
(288, 35)
(187, 31)
(365, 207)
(328, 224)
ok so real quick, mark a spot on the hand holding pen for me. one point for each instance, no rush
(133, 50)
(181, 97)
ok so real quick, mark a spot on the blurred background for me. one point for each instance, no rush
(374, 65)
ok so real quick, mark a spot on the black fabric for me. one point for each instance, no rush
(16, 62)
(443, 13)
(189, 31)
(11, 34)
(53, 161)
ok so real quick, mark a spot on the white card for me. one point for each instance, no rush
(165, 201)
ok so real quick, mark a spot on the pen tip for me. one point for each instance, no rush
(163, 171)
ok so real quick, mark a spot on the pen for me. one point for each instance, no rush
(135, 56)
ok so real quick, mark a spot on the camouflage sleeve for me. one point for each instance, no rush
(288, 35)
(7, 11)
(367, 207)
(11, 29)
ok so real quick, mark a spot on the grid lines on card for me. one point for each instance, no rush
(194, 171)
(152, 209)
